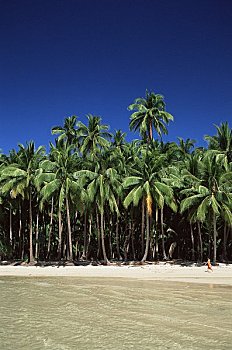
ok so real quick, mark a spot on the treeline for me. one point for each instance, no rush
(97, 197)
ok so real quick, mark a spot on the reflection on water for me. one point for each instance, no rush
(62, 313)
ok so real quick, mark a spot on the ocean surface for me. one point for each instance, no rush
(67, 313)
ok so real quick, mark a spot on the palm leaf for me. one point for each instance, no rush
(215, 205)
(203, 209)
(227, 214)
(137, 195)
(129, 198)
(131, 181)
(190, 202)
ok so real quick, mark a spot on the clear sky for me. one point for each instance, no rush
(73, 57)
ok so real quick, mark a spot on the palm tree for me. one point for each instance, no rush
(149, 112)
(103, 187)
(94, 136)
(119, 140)
(222, 141)
(56, 181)
(184, 148)
(68, 131)
(148, 189)
(209, 196)
(18, 179)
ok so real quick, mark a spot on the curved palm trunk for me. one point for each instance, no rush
(31, 256)
(106, 261)
(147, 238)
(69, 231)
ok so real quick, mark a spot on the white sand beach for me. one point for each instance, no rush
(222, 274)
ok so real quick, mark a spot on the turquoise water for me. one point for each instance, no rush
(64, 313)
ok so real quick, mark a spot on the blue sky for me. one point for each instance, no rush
(73, 57)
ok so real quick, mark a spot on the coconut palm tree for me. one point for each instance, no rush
(119, 140)
(94, 136)
(222, 141)
(56, 181)
(19, 179)
(209, 196)
(68, 131)
(149, 112)
(145, 186)
(103, 187)
(185, 147)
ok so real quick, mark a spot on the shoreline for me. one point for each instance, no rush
(221, 275)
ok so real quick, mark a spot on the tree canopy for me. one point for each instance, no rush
(96, 196)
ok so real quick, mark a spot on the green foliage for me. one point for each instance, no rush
(150, 112)
(93, 184)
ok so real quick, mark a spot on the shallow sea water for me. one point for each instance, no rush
(67, 313)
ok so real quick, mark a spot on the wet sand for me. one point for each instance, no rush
(221, 275)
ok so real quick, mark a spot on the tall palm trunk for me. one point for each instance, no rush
(20, 232)
(162, 232)
(147, 237)
(37, 236)
(23, 233)
(69, 230)
(90, 235)
(192, 240)
(142, 225)
(50, 230)
(110, 238)
(156, 234)
(59, 234)
(83, 257)
(200, 240)
(133, 239)
(225, 237)
(117, 240)
(11, 231)
(98, 236)
(214, 239)
(106, 261)
(127, 242)
(117, 236)
(31, 256)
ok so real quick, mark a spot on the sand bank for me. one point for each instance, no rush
(221, 274)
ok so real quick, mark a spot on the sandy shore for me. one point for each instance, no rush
(221, 274)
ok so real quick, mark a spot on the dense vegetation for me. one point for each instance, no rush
(97, 197)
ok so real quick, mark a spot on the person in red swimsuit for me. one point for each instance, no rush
(209, 266)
